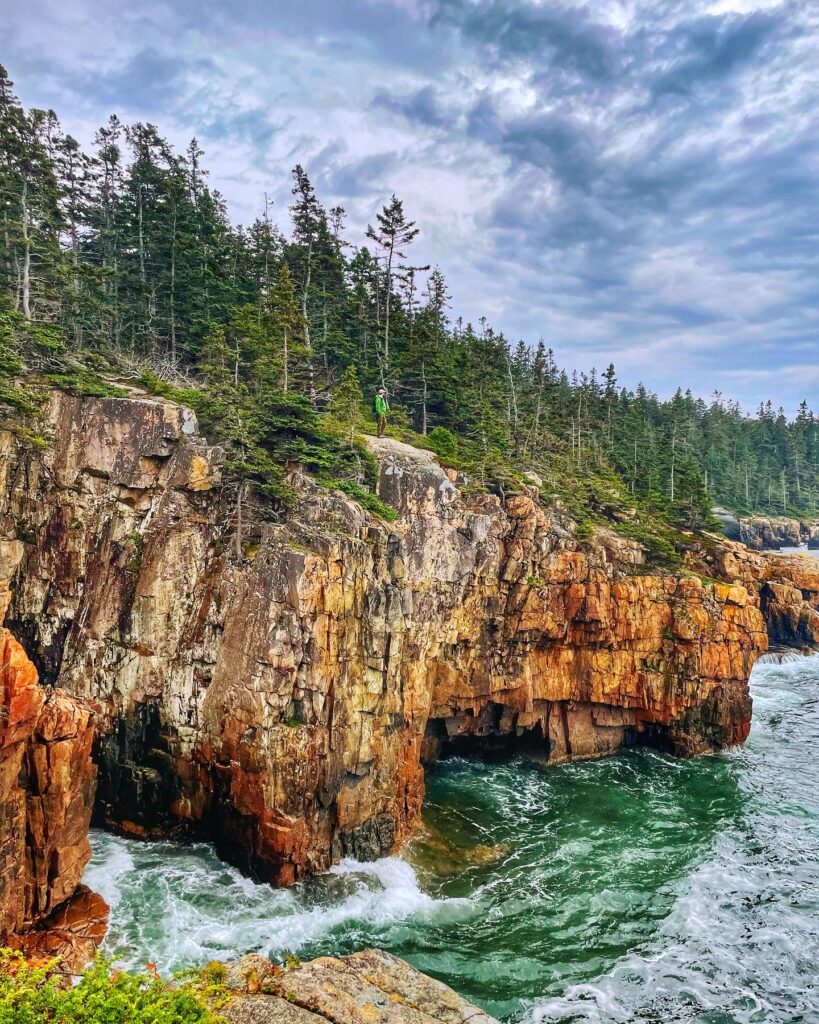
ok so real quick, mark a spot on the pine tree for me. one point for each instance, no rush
(392, 234)
(126, 258)
(347, 403)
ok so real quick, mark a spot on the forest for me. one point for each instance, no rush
(121, 269)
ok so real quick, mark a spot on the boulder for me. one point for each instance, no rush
(371, 987)
(730, 524)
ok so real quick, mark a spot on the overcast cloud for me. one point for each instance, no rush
(634, 180)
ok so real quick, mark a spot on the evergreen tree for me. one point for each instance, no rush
(125, 259)
(392, 234)
(347, 402)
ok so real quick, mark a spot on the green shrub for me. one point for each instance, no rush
(443, 442)
(366, 499)
(585, 530)
(32, 994)
(81, 380)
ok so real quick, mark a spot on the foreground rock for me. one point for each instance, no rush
(71, 934)
(283, 703)
(371, 987)
(47, 783)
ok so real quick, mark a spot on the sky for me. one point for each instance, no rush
(635, 181)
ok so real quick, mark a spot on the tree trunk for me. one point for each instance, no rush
(307, 345)
(173, 290)
(513, 401)
(141, 238)
(424, 405)
(673, 458)
(25, 280)
(387, 307)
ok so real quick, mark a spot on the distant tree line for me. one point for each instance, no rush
(124, 259)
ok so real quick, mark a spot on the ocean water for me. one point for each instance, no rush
(635, 889)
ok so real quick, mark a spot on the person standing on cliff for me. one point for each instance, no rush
(381, 410)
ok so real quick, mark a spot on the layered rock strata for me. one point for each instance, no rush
(283, 703)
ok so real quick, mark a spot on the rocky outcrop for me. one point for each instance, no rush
(47, 782)
(762, 533)
(283, 703)
(730, 524)
(47, 785)
(70, 934)
(786, 586)
(371, 987)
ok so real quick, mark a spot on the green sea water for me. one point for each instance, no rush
(633, 889)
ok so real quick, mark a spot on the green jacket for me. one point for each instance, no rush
(381, 406)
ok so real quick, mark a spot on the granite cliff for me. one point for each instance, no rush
(47, 784)
(283, 703)
(786, 586)
(762, 533)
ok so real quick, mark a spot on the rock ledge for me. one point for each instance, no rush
(370, 987)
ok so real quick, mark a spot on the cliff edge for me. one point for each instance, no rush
(283, 703)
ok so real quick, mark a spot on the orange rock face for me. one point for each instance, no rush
(22, 701)
(72, 932)
(47, 783)
(786, 586)
(283, 704)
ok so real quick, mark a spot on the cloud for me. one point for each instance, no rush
(565, 37)
(634, 181)
(714, 48)
(422, 106)
(357, 176)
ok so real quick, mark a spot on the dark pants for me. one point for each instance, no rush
(382, 424)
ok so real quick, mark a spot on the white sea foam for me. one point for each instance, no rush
(178, 905)
(109, 863)
(633, 889)
(742, 937)
(781, 658)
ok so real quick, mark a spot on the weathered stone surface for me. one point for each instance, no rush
(371, 987)
(267, 1009)
(249, 973)
(60, 786)
(786, 586)
(72, 932)
(283, 704)
(21, 702)
(730, 524)
(47, 785)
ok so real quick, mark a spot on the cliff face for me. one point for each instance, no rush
(47, 783)
(786, 585)
(283, 705)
